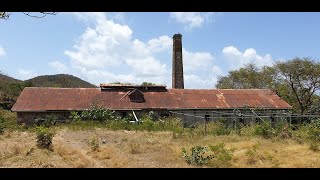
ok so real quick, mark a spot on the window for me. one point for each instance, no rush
(124, 114)
(206, 117)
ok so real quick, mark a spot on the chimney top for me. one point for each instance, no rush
(177, 35)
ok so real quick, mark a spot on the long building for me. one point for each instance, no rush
(38, 102)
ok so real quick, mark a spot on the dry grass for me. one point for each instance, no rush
(146, 149)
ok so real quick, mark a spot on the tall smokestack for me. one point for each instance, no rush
(177, 65)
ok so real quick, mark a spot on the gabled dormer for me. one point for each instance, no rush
(136, 96)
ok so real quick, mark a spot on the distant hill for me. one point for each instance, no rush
(10, 88)
(60, 80)
(7, 79)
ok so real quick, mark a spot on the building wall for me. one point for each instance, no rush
(189, 117)
(29, 117)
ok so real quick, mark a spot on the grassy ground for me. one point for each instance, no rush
(146, 149)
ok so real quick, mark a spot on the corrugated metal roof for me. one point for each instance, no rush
(56, 99)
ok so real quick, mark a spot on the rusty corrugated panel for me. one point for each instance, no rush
(50, 99)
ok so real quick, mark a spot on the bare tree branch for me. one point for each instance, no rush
(43, 14)
(6, 15)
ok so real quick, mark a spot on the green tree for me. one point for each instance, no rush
(296, 81)
(302, 76)
(147, 84)
(247, 77)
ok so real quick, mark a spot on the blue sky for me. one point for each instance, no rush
(137, 47)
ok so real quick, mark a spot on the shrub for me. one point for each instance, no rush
(48, 121)
(314, 130)
(265, 130)
(44, 137)
(2, 125)
(95, 113)
(9, 120)
(94, 143)
(75, 116)
(197, 156)
(221, 154)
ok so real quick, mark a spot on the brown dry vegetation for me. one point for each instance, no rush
(147, 149)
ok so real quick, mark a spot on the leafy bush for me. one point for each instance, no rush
(314, 130)
(197, 156)
(44, 137)
(265, 130)
(9, 120)
(95, 113)
(217, 127)
(2, 125)
(48, 121)
(75, 116)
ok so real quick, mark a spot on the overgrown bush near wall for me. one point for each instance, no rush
(110, 120)
(217, 127)
(265, 130)
(165, 124)
(48, 121)
(97, 113)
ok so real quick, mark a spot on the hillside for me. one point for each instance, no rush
(60, 80)
(7, 79)
(10, 88)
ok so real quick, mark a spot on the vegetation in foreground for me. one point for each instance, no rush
(154, 143)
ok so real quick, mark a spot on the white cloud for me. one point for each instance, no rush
(196, 61)
(26, 74)
(2, 52)
(163, 43)
(237, 58)
(196, 82)
(105, 51)
(191, 19)
(90, 16)
(217, 70)
(58, 66)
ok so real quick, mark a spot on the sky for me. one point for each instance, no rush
(137, 46)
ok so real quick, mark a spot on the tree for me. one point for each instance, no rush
(296, 81)
(247, 77)
(302, 76)
(6, 15)
(147, 84)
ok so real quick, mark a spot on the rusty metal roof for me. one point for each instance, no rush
(57, 99)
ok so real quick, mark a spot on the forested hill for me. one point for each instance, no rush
(60, 80)
(7, 79)
(10, 88)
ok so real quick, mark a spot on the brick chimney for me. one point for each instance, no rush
(177, 65)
